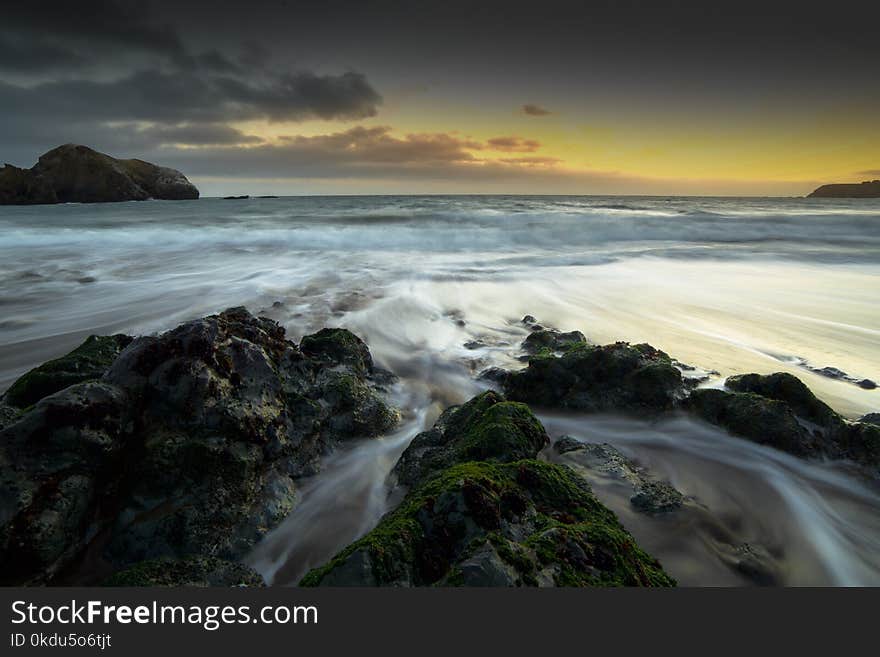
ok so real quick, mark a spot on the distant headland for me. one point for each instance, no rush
(78, 174)
(867, 189)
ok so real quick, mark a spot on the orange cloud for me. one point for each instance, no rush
(514, 144)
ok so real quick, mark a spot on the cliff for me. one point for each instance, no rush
(867, 189)
(78, 174)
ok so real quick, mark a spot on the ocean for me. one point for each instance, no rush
(728, 285)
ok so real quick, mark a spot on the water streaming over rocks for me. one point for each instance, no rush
(438, 286)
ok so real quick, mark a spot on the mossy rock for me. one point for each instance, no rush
(486, 428)
(547, 341)
(340, 346)
(759, 419)
(192, 571)
(787, 388)
(525, 523)
(779, 410)
(612, 378)
(88, 361)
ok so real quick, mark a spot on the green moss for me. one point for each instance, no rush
(784, 387)
(573, 536)
(487, 428)
(87, 362)
(616, 377)
(759, 419)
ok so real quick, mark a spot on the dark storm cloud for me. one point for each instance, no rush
(190, 96)
(89, 28)
(514, 144)
(88, 71)
(26, 56)
(535, 110)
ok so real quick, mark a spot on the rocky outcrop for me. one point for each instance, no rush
(780, 411)
(612, 378)
(648, 493)
(188, 445)
(866, 189)
(482, 511)
(566, 372)
(78, 174)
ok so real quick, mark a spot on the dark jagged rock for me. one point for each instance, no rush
(551, 340)
(866, 189)
(787, 388)
(617, 377)
(78, 174)
(191, 571)
(649, 494)
(780, 411)
(87, 362)
(189, 444)
(504, 520)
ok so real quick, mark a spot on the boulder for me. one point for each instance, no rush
(482, 511)
(487, 428)
(190, 444)
(548, 341)
(612, 378)
(779, 410)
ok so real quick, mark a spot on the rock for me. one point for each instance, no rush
(759, 419)
(649, 494)
(866, 189)
(867, 384)
(780, 411)
(494, 374)
(483, 512)
(613, 378)
(755, 563)
(192, 571)
(87, 362)
(549, 341)
(526, 523)
(871, 418)
(487, 428)
(78, 174)
(786, 388)
(528, 320)
(189, 445)
(339, 346)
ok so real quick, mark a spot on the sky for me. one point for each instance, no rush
(345, 97)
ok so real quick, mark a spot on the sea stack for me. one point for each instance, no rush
(866, 189)
(78, 174)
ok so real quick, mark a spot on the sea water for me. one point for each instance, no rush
(726, 285)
